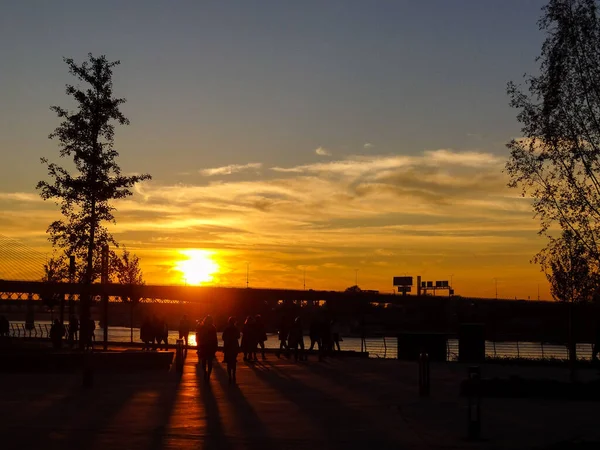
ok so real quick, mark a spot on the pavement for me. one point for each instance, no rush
(281, 404)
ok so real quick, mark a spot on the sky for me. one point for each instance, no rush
(295, 144)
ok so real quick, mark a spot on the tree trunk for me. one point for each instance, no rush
(86, 299)
(572, 345)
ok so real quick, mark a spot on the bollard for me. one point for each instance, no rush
(474, 409)
(179, 355)
(424, 374)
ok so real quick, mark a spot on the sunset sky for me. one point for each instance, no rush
(291, 139)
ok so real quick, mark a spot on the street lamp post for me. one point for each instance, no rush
(247, 274)
(304, 279)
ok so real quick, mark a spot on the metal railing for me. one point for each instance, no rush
(21, 330)
(387, 348)
(38, 331)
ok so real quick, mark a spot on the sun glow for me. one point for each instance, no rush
(198, 268)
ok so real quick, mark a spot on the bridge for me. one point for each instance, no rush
(24, 290)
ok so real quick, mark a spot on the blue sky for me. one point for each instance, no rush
(253, 86)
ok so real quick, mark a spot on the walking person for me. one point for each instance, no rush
(314, 333)
(91, 335)
(73, 330)
(296, 340)
(231, 348)
(284, 332)
(57, 331)
(199, 331)
(163, 334)
(249, 339)
(261, 334)
(184, 330)
(146, 334)
(335, 336)
(155, 326)
(208, 346)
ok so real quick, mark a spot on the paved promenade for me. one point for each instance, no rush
(278, 404)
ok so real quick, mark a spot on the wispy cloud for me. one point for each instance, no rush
(368, 146)
(470, 159)
(410, 211)
(20, 196)
(321, 151)
(231, 168)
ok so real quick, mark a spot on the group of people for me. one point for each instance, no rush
(207, 342)
(58, 331)
(154, 333)
(324, 334)
(253, 335)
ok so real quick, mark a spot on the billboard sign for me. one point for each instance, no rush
(403, 281)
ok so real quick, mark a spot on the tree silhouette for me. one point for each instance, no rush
(573, 278)
(572, 274)
(557, 160)
(87, 136)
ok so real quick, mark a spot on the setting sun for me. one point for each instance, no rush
(198, 268)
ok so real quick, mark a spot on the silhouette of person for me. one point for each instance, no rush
(73, 330)
(156, 332)
(249, 339)
(335, 335)
(296, 339)
(162, 334)
(315, 335)
(199, 330)
(57, 331)
(184, 329)
(261, 334)
(208, 346)
(146, 334)
(91, 334)
(284, 331)
(4, 326)
(231, 348)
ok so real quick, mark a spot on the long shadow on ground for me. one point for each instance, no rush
(246, 419)
(215, 437)
(343, 427)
